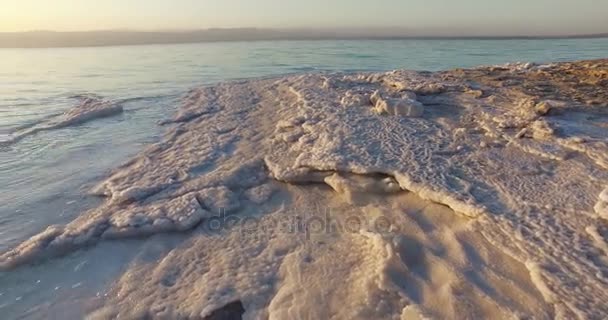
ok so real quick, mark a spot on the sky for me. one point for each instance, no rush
(461, 17)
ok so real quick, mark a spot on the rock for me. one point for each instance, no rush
(327, 84)
(475, 93)
(187, 222)
(593, 102)
(400, 107)
(430, 89)
(375, 97)
(355, 100)
(231, 311)
(219, 199)
(541, 130)
(527, 103)
(542, 108)
(409, 95)
(601, 208)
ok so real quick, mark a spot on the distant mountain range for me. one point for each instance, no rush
(48, 39)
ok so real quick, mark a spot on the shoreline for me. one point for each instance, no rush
(511, 156)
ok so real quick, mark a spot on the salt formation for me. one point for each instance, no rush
(355, 188)
(457, 205)
(400, 107)
(406, 105)
(89, 108)
(602, 204)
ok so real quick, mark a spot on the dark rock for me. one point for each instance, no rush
(231, 311)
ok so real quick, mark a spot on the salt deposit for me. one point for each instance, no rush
(602, 204)
(466, 205)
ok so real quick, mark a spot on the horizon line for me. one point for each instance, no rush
(416, 32)
(118, 37)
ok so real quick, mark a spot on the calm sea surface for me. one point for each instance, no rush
(44, 178)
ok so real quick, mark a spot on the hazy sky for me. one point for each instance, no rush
(447, 16)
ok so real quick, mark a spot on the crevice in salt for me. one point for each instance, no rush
(231, 311)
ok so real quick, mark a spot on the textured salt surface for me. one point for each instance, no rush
(89, 108)
(602, 204)
(501, 218)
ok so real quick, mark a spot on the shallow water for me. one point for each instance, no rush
(45, 177)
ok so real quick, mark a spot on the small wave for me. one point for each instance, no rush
(304, 69)
(143, 98)
(4, 138)
(84, 96)
(480, 54)
(35, 122)
(357, 55)
(90, 108)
